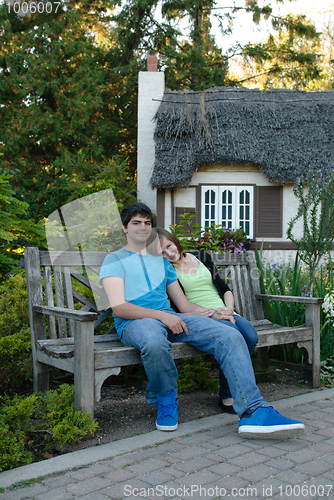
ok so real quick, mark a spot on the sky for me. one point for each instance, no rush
(245, 31)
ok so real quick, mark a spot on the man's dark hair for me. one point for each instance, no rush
(134, 209)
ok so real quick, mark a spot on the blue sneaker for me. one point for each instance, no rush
(267, 423)
(167, 412)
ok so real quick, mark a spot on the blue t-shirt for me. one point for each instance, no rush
(145, 279)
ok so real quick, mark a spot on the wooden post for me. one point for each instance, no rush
(84, 366)
(312, 317)
(37, 321)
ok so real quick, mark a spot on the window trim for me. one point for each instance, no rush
(217, 188)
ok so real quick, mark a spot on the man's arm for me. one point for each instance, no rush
(114, 288)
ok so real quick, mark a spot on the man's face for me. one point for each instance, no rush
(139, 229)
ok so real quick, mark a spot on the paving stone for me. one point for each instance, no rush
(231, 482)
(222, 431)
(87, 472)
(88, 485)
(323, 447)
(27, 492)
(291, 477)
(214, 458)
(272, 452)
(170, 459)
(195, 439)
(248, 459)
(55, 494)
(292, 444)
(190, 452)
(173, 446)
(194, 464)
(314, 468)
(156, 477)
(312, 437)
(120, 461)
(174, 472)
(198, 478)
(234, 451)
(125, 489)
(268, 487)
(328, 432)
(230, 439)
(95, 496)
(281, 463)
(57, 481)
(144, 454)
(147, 466)
(302, 456)
(329, 476)
(210, 446)
(225, 469)
(175, 491)
(258, 473)
(119, 475)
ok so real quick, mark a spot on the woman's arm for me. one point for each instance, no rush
(183, 305)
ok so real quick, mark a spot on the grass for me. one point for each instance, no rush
(294, 279)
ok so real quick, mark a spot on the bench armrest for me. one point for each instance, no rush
(290, 298)
(65, 313)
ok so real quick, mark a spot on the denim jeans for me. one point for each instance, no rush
(249, 334)
(154, 341)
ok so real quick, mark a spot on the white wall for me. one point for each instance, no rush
(151, 86)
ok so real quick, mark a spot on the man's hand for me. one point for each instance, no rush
(174, 323)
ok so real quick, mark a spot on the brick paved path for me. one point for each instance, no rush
(202, 459)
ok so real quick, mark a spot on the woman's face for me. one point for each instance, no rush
(169, 250)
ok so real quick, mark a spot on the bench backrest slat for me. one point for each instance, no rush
(68, 297)
(240, 272)
(49, 301)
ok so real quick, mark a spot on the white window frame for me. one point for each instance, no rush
(212, 208)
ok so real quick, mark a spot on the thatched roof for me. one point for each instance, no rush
(284, 132)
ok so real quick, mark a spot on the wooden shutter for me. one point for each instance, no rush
(268, 212)
(180, 211)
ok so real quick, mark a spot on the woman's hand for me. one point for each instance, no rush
(224, 313)
(203, 311)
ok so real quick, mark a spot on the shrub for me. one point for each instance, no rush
(194, 373)
(212, 239)
(14, 313)
(31, 426)
(15, 343)
(14, 422)
(15, 361)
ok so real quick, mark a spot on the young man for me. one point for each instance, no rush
(138, 286)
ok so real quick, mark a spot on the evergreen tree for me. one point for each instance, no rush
(54, 99)
(290, 59)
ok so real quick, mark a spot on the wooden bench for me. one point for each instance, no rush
(63, 336)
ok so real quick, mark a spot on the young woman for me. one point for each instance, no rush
(203, 286)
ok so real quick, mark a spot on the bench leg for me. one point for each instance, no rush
(101, 376)
(41, 377)
(84, 366)
(312, 317)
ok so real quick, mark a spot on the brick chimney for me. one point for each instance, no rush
(152, 63)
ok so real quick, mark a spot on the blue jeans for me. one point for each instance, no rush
(249, 334)
(154, 341)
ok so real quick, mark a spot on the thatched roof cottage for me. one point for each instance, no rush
(231, 156)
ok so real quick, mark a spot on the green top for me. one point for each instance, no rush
(199, 288)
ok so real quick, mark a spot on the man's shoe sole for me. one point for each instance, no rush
(166, 427)
(271, 432)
